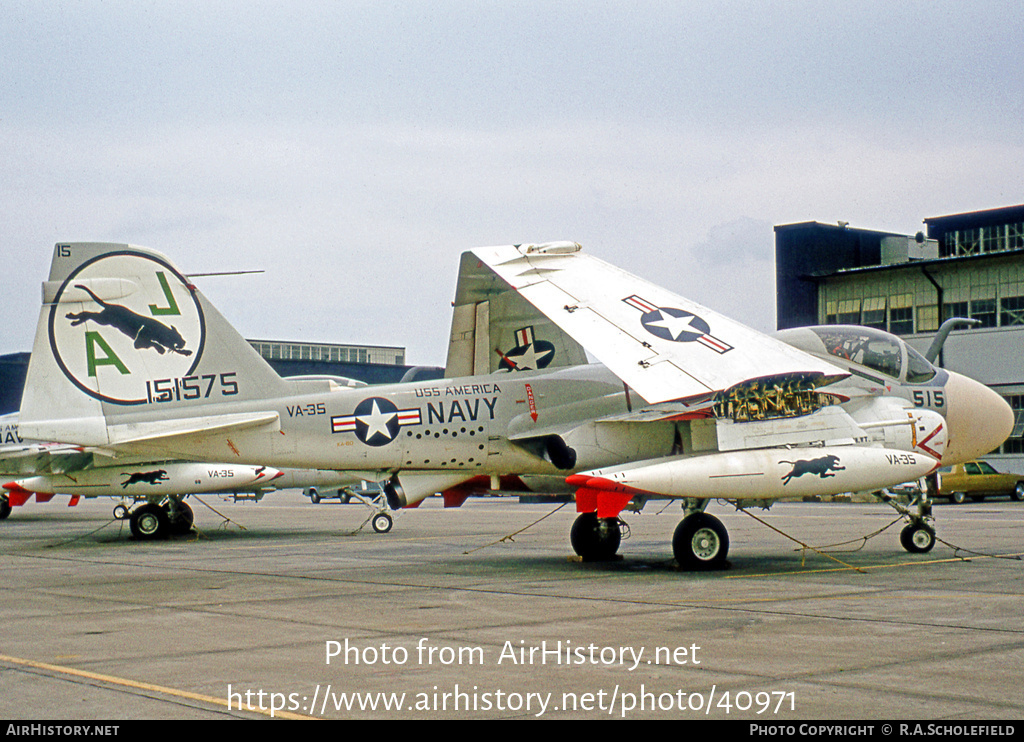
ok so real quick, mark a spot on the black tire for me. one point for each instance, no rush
(959, 497)
(595, 539)
(5, 508)
(120, 512)
(1018, 492)
(701, 542)
(182, 521)
(314, 497)
(149, 522)
(917, 539)
(382, 522)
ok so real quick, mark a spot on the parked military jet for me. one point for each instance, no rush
(155, 490)
(744, 434)
(131, 357)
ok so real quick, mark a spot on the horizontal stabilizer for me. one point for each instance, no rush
(164, 430)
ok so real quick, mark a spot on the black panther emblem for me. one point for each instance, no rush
(822, 467)
(144, 331)
(144, 477)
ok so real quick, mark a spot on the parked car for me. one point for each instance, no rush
(978, 480)
(317, 495)
(363, 491)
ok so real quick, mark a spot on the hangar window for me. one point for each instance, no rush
(993, 239)
(984, 310)
(849, 312)
(901, 314)
(1015, 236)
(966, 241)
(1015, 443)
(954, 309)
(1011, 310)
(874, 313)
(928, 318)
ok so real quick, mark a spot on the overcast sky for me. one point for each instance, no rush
(353, 150)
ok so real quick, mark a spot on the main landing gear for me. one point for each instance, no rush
(700, 542)
(151, 521)
(595, 539)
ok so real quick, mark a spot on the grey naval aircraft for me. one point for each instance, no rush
(131, 358)
(155, 490)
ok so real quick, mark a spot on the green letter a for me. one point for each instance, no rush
(93, 339)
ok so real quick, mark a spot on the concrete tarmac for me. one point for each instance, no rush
(440, 618)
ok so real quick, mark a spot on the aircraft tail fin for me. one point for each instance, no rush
(124, 332)
(496, 329)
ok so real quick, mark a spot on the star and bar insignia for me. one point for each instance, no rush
(677, 325)
(529, 354)
(376, 421)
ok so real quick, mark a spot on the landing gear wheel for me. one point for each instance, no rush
(700, 542)
(180, 518)
(382, 523)
(595, 539)
(917, 538)
(149, 522)
(959, 498)
(314, 498)
(120, 512)
(5, 507)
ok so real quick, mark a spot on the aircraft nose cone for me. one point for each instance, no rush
(979, 420)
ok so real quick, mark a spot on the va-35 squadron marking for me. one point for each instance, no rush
(688, 404)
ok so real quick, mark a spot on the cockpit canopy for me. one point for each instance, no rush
(874, 349)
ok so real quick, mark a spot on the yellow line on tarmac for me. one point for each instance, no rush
(143, 686)
(871, 567)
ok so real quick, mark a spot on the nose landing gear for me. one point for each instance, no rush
(918, 536)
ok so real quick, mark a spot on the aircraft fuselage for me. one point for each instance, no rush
(459, 425)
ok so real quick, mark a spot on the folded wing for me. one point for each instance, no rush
(663, 346)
